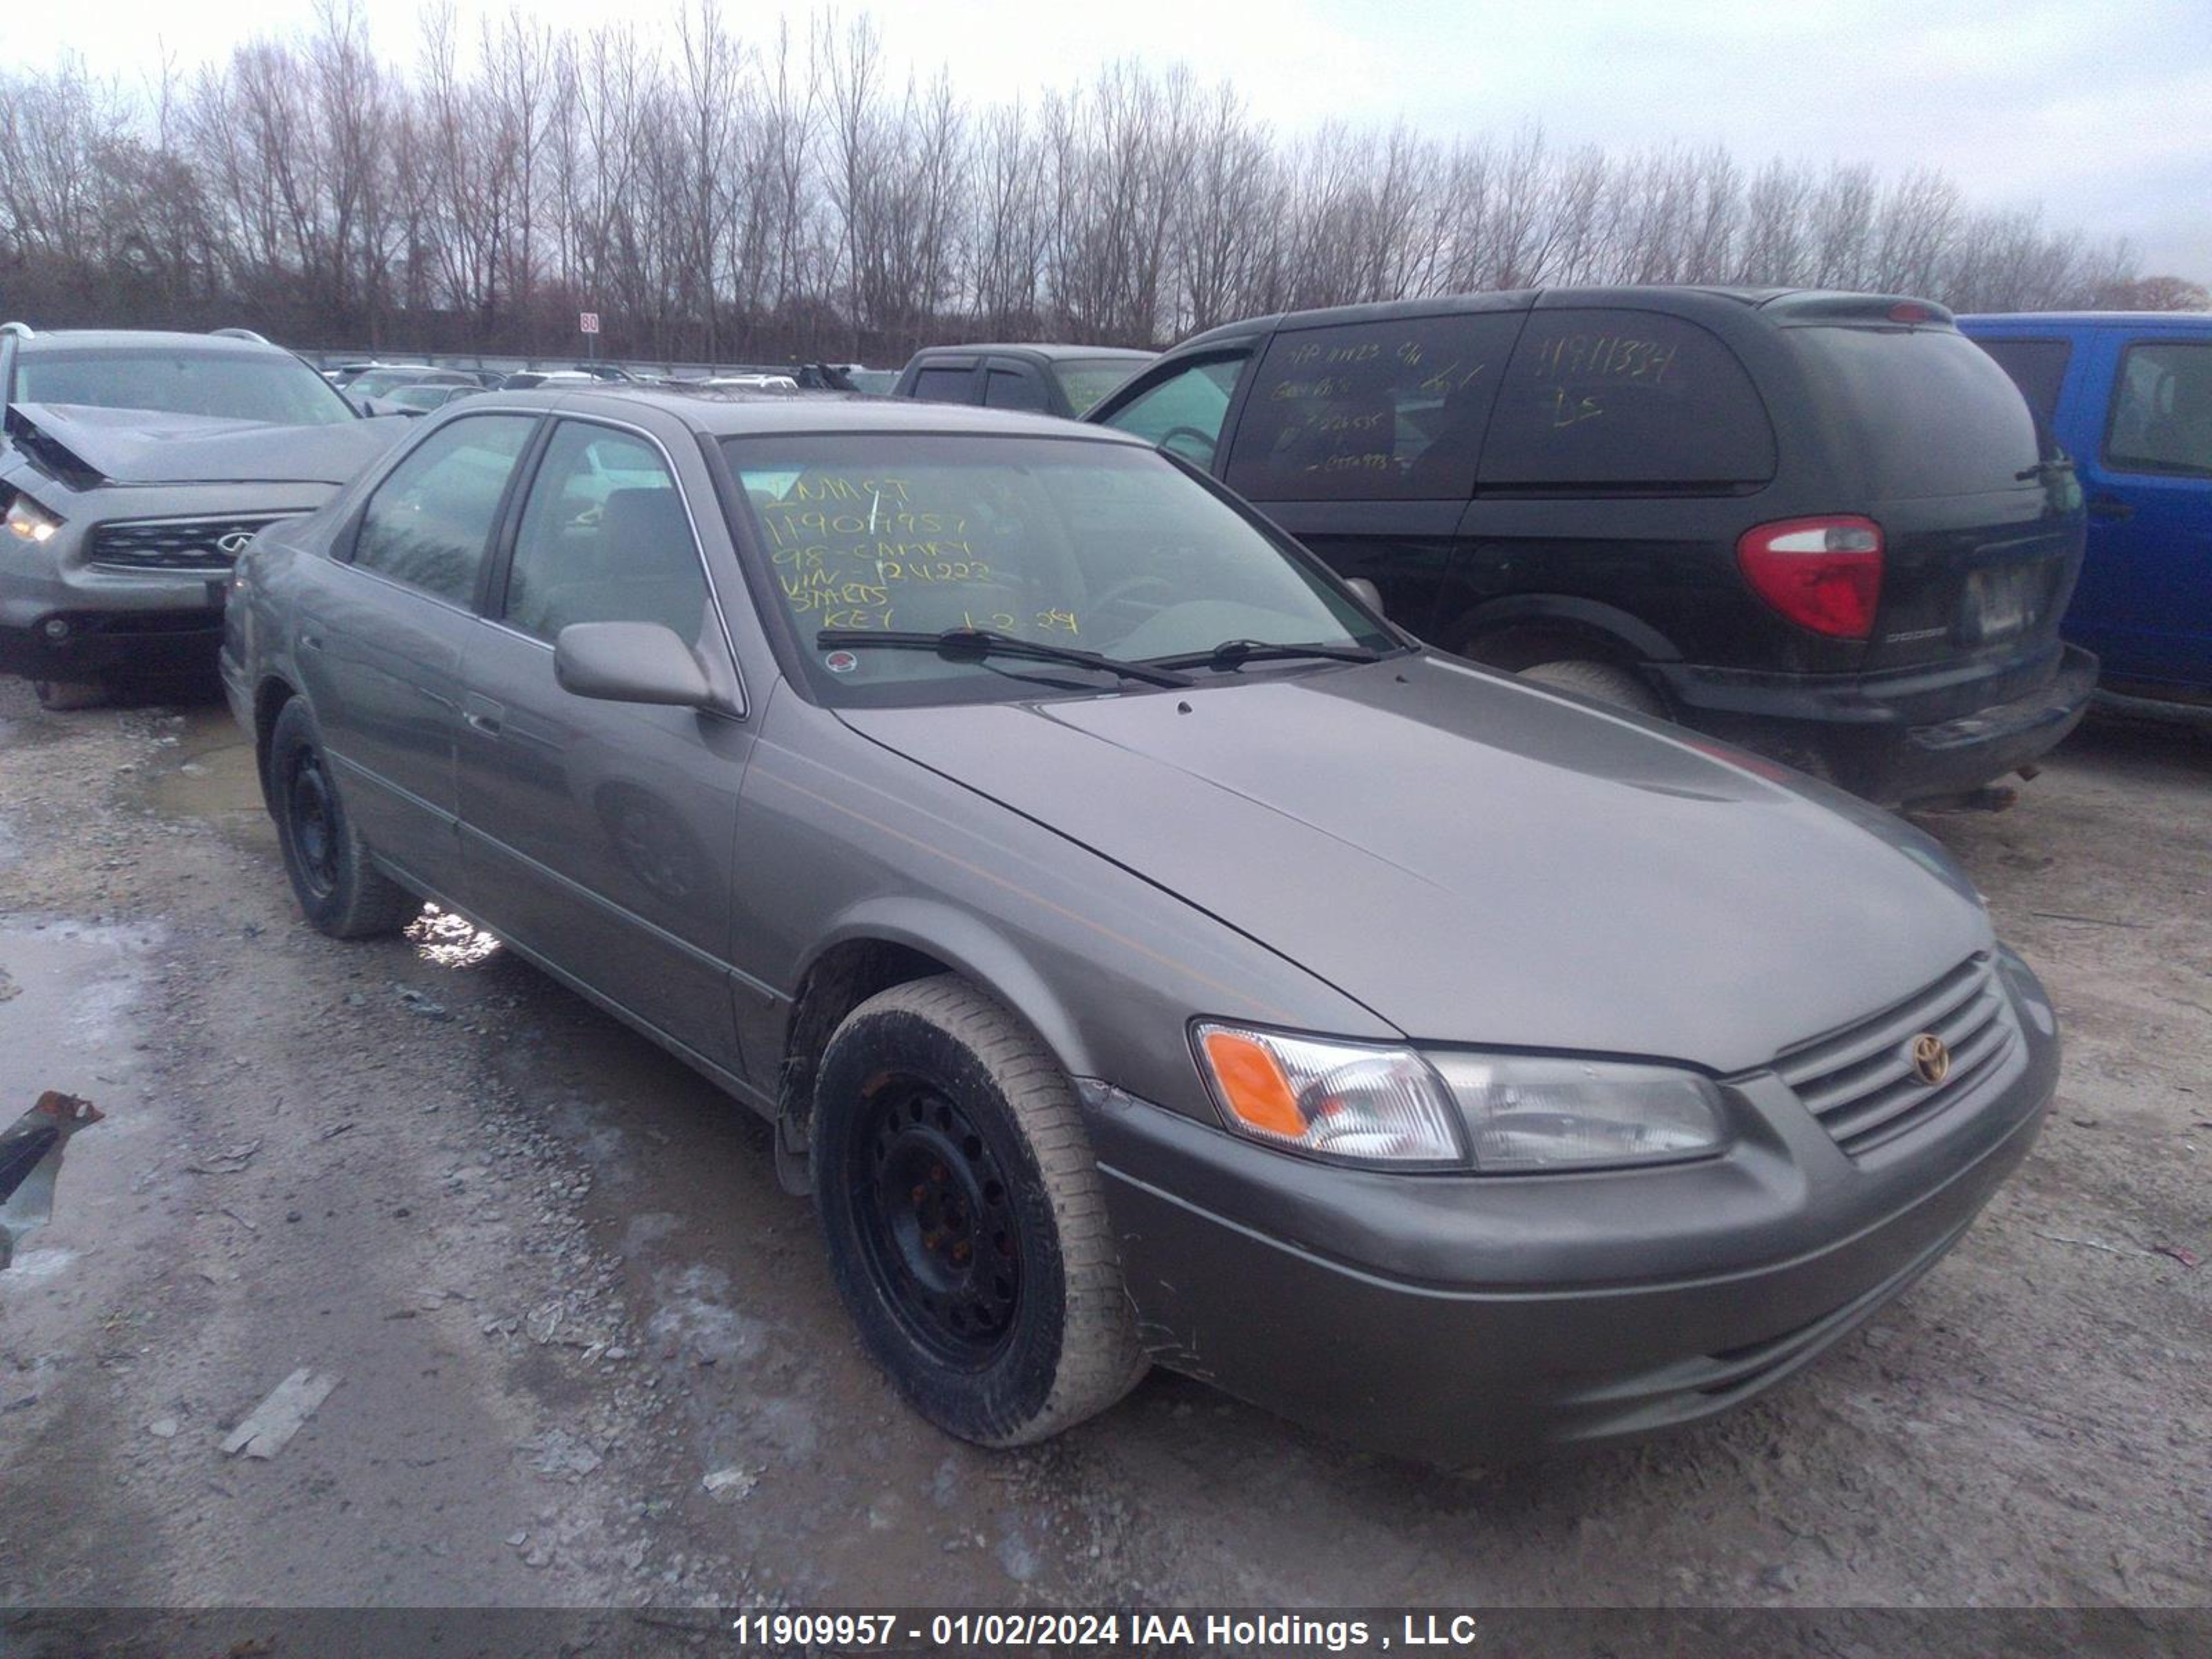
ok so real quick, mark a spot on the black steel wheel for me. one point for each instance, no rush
(339, 889)
(965, 1218)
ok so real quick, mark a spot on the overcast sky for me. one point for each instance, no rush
(2101, 111)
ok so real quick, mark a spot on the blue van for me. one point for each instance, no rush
(2129, 393)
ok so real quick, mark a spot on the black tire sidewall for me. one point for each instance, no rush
(985, 1405)
(297, 732)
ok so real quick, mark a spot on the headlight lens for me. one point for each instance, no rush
(1353, 1101)
(1545, 1114)
(28, 521)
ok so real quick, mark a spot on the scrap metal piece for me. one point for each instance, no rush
(272, 1423)
(30, 1158)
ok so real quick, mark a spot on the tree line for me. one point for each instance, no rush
(796, 193)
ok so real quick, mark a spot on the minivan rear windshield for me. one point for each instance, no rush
(1931, 410)
(234, 386)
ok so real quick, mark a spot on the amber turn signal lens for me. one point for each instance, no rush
(1252, 1085)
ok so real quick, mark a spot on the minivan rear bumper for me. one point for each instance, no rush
(1897, 737)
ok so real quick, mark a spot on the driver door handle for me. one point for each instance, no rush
(483, 714)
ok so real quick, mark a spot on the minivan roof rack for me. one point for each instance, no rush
(20, 331)
(239, 334)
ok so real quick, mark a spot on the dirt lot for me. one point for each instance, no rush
(560, 1287)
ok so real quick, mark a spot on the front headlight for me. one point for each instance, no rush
(1355, 1100)
(29, 521)
(1529, 1113)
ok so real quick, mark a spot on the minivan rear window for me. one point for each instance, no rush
(2038, 368)
(1620, 399)
(1932, 411)
(1371, 412)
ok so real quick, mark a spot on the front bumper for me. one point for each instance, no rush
(1456, 1320)
(1900, 737)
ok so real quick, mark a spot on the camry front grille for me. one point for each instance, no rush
(209, 544)
(1862, 1083)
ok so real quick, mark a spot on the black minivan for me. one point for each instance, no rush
(1823, 526)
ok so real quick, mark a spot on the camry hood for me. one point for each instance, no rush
(147, 447)
(1479, 862)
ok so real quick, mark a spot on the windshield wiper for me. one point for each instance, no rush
(974, 644)
(1235, 654)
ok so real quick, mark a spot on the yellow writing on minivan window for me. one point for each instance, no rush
(1602, 357)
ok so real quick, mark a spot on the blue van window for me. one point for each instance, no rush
(1627, 400)
(1365, 411)
(2038, 368)
(2162, 418)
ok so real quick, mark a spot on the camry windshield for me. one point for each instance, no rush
(232, 385)
(1104, 547)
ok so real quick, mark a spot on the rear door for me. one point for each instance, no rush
(382, 633)
(598, 834)
(1360, 438)
(2145, 600)
(1981, 531)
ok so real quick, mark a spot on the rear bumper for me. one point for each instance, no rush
(1461, 1319)
(1896, 738)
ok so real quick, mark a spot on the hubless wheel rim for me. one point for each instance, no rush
(936, 1222)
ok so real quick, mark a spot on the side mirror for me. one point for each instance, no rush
(630, 662)
(1370, 595)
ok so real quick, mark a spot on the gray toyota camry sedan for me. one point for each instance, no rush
(1146, 953)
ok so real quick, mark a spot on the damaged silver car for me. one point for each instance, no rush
(134, 466)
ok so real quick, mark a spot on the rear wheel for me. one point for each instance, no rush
(1604, 681)
(965, 1218)
(61, 695)
(339, 891)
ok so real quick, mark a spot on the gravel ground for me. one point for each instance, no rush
(588, 1353)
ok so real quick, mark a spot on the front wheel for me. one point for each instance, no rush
(339, 891)
(965, 1218)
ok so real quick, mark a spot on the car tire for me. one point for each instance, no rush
(965, 1217)
(1603, 681)
(60, 696)
(339, 891)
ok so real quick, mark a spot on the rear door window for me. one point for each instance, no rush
(939, 385)
(2038, 368)
(1012, 388)
(430, 521)
(2161, 419)
(1625, 399)
(1183, 413)
(1931, 410)
(1371, 412)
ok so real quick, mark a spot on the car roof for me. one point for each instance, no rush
(730, 412)
(1695, 298)
(2181, 319)
(1054, 352)
(125, 339)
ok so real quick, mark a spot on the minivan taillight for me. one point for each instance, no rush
(1822, 573)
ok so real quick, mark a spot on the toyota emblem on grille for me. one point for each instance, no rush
(1931, 1059)
(232, 542)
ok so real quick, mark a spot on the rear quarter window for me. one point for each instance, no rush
(2038, 368)
(1932, 411)
(1371, 412)
(1625, 399)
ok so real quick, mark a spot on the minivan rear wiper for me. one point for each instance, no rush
(974, 644)
(1235, 654)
